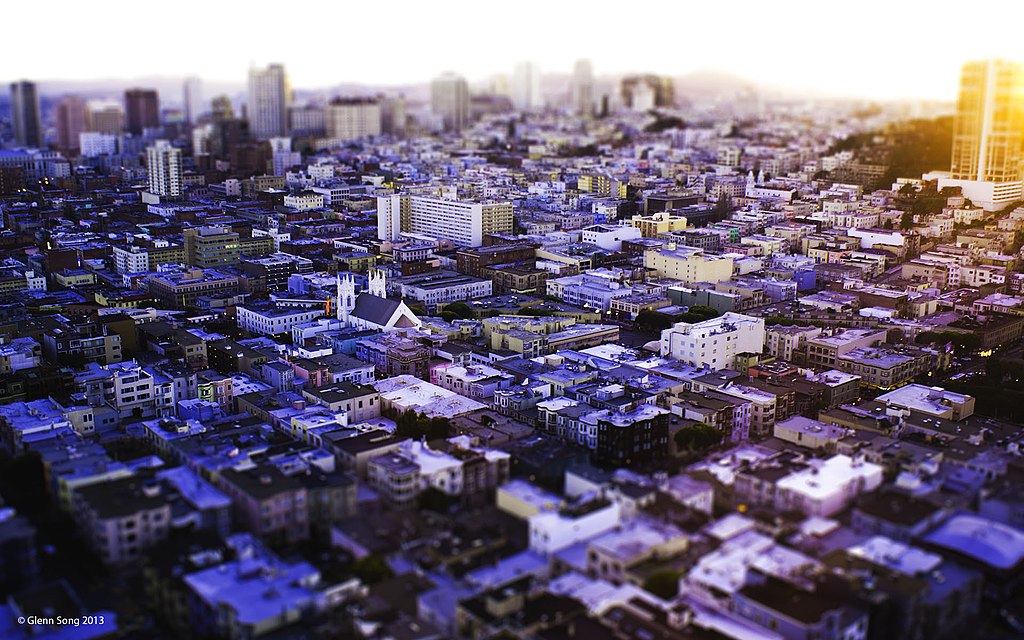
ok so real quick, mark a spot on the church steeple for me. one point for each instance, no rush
(378, 283)
(346, 295)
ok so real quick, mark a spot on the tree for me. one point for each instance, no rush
(372, 569)
(433, 499)
(697, 437)
(664, 583)
(907, 221)
(652, 321)
(459, 309)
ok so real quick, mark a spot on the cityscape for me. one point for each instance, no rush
(544, 352)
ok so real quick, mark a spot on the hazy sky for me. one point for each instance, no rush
(870, 48)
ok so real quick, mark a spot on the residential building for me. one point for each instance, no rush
(163, 163)
(714, 343)
(269, 96)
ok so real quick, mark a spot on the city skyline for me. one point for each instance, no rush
(883, 52)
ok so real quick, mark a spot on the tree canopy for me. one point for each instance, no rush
(698, 437)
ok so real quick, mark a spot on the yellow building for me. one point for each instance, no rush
(689, 265)
(74, 278)
(656, 224)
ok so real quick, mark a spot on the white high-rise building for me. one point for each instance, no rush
(164, 165)
(92, 144)
(449, 98)
(988, 134)
(392, 216)
(192, 99)
(464, 223)
(583, 88)
(526, 86)
(351, 118)
(269, 97)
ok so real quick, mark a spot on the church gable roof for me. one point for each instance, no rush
(374, 309)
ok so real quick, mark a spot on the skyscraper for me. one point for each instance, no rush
(583, 88)
(449, 98)
(25, 114)
(142, 110)
(192, 99)
(526, 86)
(988, 134)
(163, 162)
(70, 121)
(269, 97)
(104, 117)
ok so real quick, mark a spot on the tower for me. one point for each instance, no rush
(449, 98)
(378, 283)
(70, 122)
(269, 97)
(346, 296)
(192, 99)
(142, 110)
(583, 88)
(25, 114)
(526, 86)
(163, 163)
(988, 134)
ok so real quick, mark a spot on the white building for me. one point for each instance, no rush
(94, 143)
(552, 531)
(827, 486)
(304, 201)
(273, 321)
(464, 222)
(593, 290)
(449, 99)
(713, 343)
(526, 86)
(140, 392)
(269, 96)
(609, 237)
(349, 119)
(163, 162)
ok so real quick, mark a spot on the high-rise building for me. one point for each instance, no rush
(222, 109)
(449, 98)
(164, 165)
(526, 86)
(464, 222)
(269, 97)
(70, 121)
(25, 114)
(307, 121)
(211, 247)
(638, 91)
(142, 110)
(104, 117)
(988, 134)
(192, 99)
(583, 88)
(351, 118)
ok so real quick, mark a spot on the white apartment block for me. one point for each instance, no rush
(92, 144)
(275, 321)
(352, 119)
(713, 343)
(304, 201)
(163, 162)
(465, 223)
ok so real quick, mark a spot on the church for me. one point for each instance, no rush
(372, 309)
